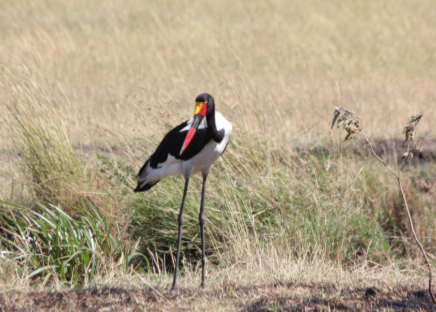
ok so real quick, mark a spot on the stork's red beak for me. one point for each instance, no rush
(191, 133)
(199, 114)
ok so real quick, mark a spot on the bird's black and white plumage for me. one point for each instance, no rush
(191, 147)
(210, 141)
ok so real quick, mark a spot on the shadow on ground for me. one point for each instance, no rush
(280, 297)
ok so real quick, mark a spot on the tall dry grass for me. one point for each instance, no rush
(89, 89)
(283, 63)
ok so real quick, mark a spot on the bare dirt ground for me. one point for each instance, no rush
(281, 297)
(385, 149)
(427, 152)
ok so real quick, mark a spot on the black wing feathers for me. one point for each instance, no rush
(172, 144)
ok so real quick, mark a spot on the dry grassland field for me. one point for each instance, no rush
(297, 219)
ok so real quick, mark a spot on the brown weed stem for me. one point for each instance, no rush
(350, 122)
(398, 177)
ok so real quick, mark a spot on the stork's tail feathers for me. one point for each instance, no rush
(143, 184)
(141, 187)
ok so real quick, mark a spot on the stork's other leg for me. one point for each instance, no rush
(179, 241)
(202, 219)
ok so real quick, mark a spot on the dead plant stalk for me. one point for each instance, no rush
(350, 122)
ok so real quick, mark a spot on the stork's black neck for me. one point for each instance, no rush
(217, 136)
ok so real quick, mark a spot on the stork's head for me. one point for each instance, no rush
(204, 105)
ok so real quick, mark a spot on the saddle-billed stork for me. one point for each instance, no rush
(189, 148)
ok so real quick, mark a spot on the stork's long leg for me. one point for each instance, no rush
(202, 219)
(179, 241)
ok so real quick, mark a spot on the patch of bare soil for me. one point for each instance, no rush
(387, 149)
(396, 148)
(280, 297)
(384, 148)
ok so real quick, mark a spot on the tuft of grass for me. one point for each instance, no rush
(294, 205)
(51, 246)
(40, 135)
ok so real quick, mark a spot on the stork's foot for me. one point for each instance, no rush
(203, 285)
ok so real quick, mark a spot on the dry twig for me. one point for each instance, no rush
(350, 122)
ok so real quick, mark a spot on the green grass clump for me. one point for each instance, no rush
(52, 246)
(40, 135)
(261, 196)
